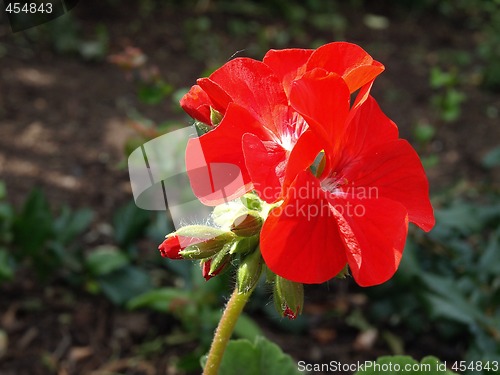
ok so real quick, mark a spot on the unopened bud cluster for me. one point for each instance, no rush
(235, 242)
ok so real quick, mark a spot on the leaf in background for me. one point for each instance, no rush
(7, 266)
(489, 262)
(448, 301)
(35, 224)
(105, 259)
(246, 327)
(160, 299)
(492, 158)
(424, 132)
(257, 358)
(466, 218)
(154, 92)
(160, 226)
(129, 223)
(3, 190)
(70, 224)
(124, 284)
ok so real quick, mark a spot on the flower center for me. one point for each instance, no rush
(291, 131)
(333, 184)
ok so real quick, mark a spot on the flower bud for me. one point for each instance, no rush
(210, 268)
(215, 116)
(288, 297)
(170, 248)
(220, 260)
(251, 201)
(195, 242)
(247, 224)
(244, 245)
(249, 271)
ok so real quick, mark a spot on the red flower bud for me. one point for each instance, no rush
(207, 265)
(170, 248)
(194, 242)
(288, 297)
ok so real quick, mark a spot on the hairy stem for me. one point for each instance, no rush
(224, 330)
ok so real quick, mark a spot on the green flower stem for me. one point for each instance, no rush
(224, 330)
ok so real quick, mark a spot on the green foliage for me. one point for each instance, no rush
(64, 36)
(7, 266)
(454, 273)
(448, 99)
(105, 259)
(129, 223)
(154, 92)
(492, 158)
(47, 241)
(255, 358)
(424, 133)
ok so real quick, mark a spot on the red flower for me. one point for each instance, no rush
(356, 207)
(251, 147)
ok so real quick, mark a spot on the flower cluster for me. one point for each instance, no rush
(309, 139)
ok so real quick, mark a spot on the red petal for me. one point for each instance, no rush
(287, 64)
(323, 100)
(368, 127)
(348, 60)
(253, 85)
(393, 170)
(265, 162)
(219, 98)
(215, 162)
(301, 157)
(197, 104)
(374, 232)
(300, 240)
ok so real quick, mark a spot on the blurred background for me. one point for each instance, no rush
(83, 289)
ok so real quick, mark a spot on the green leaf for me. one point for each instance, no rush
(257, 358)
(105, 259)
(154, 93)
(400, 364)
(492, 158)
(7, 267)
(3, 190)
(160, 299)
(247, 328)
(448, 302)
(489, 263)
(71, 224)
(129, 223)
(34, 226)
(466, 218)
(124, 284)
(424, 132)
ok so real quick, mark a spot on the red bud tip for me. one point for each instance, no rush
(288, 313)
(170, 248)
